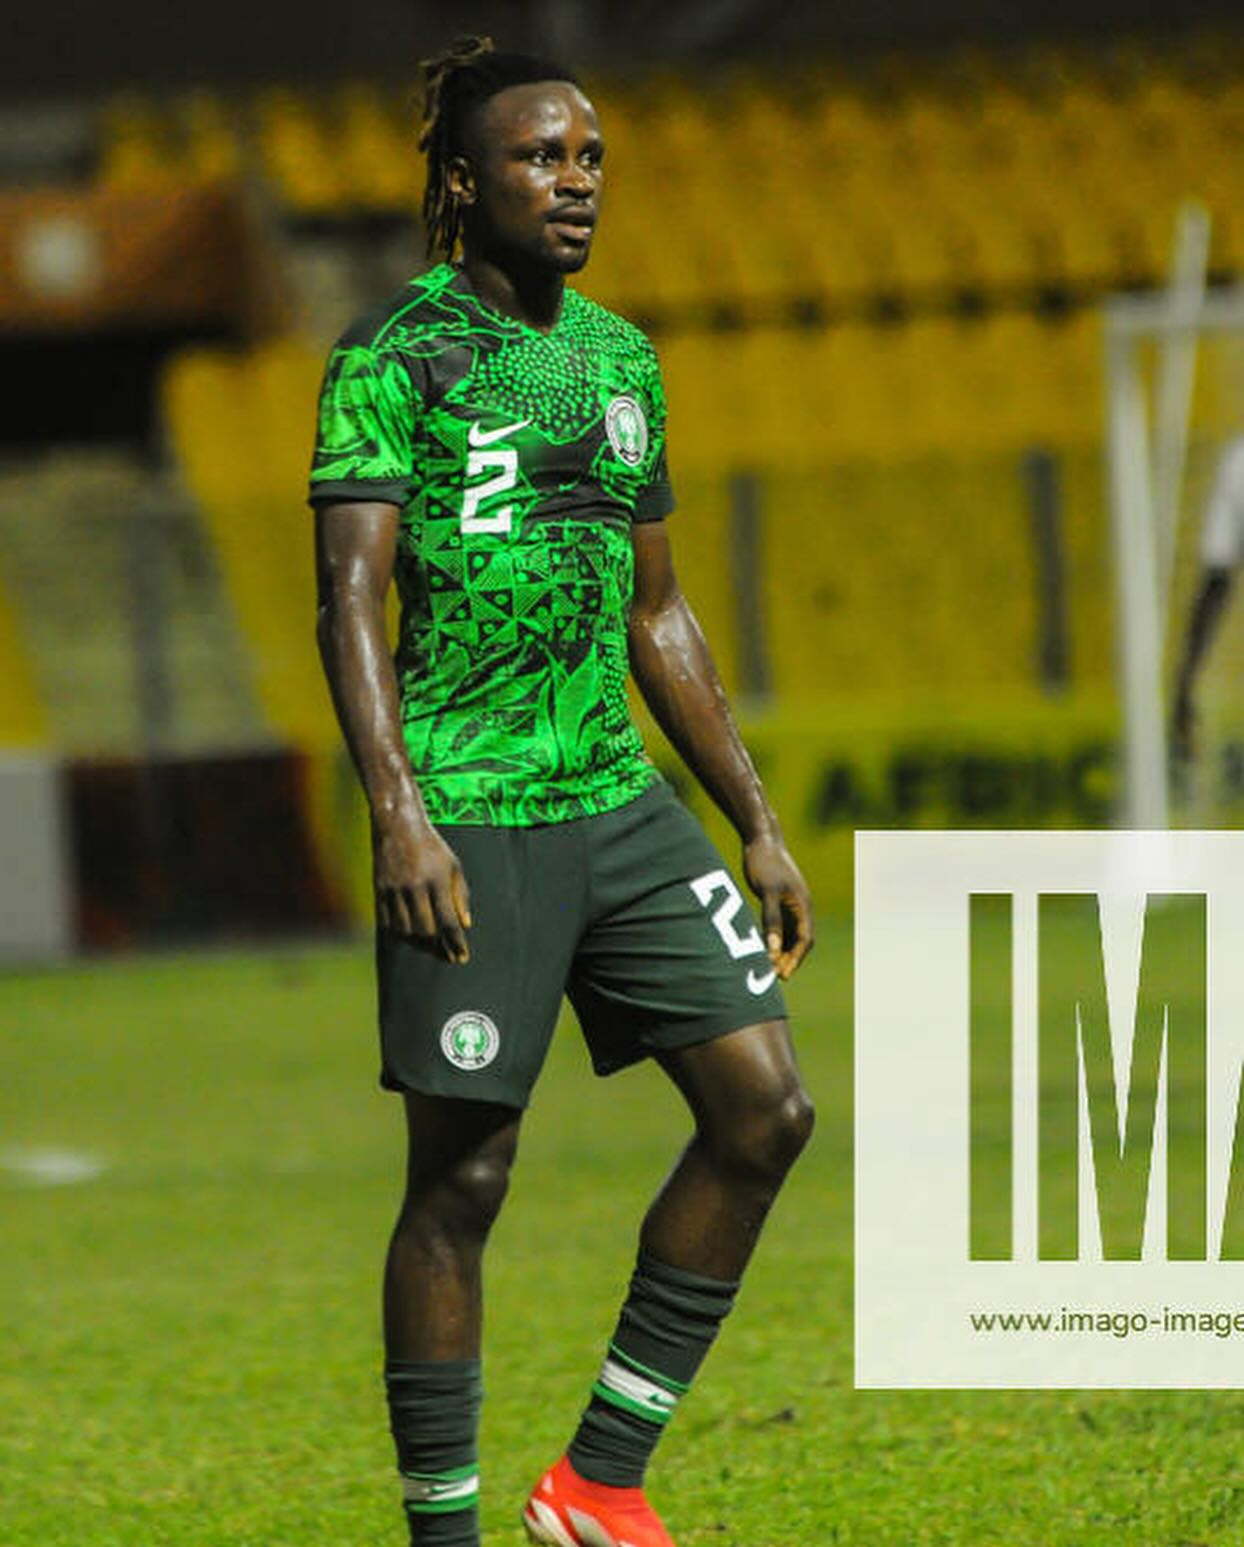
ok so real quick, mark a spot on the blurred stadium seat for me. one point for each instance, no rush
(300, 154)
(110, 592)
(876, 294)
(240, 426)
(213, 145)
(379, 151)
(137, 145)
(995, 172)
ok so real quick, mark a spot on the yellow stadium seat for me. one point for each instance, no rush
(213, 144)
(945, 406)
(139, 148)
(240, 426)
(860, 369)
(999, 172)
(300, 156)
(379, 152)
(707, 412)
(699, 534)
(629, 268)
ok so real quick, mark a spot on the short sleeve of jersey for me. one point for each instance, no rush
(364, 443)
(655, 500)
(1222, 533)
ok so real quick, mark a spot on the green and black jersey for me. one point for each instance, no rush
(519, 460)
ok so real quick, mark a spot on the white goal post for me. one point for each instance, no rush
(1151, 347)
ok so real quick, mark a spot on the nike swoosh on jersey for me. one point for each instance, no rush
(758, 983)
(478, 436)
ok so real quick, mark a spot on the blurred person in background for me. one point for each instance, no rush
(1222, 549)
(495, 442)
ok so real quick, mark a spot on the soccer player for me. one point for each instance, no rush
(496, 442)
(1222, 549)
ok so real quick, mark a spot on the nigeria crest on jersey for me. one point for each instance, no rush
(627, 429)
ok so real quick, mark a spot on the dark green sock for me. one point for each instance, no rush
(434, 1415)
(667, 1325)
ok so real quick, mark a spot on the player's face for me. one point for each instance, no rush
(531, 189)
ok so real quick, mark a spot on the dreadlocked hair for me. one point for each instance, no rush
(456, 83)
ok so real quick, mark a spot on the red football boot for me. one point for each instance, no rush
(567, 1510)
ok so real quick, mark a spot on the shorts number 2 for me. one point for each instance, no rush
(706, 887)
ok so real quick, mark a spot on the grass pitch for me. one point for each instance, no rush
(189, 1341)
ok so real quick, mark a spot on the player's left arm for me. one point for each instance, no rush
(674, 670)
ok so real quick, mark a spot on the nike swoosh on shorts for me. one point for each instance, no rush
(478, 436)
(758, 984)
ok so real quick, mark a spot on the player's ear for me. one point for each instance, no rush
(460, 180)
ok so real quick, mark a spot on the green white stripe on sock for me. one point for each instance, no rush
(624, 1383)
(678, 1387)
(434, 1493)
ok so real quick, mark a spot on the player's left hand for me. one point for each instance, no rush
(785, 902)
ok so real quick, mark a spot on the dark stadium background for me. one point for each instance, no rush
(81, 45)
(871, 243)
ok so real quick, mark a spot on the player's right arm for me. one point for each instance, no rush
(419, 886)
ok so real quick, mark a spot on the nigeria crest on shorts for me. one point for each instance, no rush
(627, 429)
(470, 1040)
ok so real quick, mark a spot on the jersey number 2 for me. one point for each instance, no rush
(505, 460)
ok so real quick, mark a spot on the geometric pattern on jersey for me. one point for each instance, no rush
(519, 460)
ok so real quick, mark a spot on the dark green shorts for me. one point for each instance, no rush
(632, 914)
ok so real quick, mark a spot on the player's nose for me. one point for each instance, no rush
(577, 181)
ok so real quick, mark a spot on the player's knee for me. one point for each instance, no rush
(461, 1202)
(475, 1191)
(791, 1127)
(769, 1140)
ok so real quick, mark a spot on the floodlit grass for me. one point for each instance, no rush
(189, 1347)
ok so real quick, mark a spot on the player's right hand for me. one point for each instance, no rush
(420, 888)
